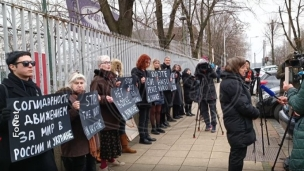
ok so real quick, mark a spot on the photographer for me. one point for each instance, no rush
(295, 100)
(207, 93)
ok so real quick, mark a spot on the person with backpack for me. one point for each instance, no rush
(19, 84)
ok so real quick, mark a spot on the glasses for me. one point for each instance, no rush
(106, 62)
(26, 63)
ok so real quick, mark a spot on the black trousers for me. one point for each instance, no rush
(236, 158)
(81, 163)
(122, 127)
(205, 111)
(144, 118)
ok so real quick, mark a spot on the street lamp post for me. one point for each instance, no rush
(183, 18)
(250, 57)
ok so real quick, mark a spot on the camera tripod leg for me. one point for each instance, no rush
(254, 151)
(281, 144)
(196, 120)
(218, 118)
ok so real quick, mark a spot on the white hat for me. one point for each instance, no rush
(203, 60)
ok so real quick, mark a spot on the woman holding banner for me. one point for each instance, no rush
(140, 72)
(103, 82)
(78, 154)
(156, 106)
(117, 69)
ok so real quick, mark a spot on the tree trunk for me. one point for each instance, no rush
(124, 24)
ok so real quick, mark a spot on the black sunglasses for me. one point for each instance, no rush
(26, 63)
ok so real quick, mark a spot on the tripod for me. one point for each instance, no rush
(201, 86)
(282, 141)
(261, 100)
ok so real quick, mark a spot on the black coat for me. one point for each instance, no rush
(44, 161)
(207, 88)
(237, 110)
(188, 85)
(141, 86)
(167, 94)
(178, 94)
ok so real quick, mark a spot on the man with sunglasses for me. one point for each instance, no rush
(20, 84)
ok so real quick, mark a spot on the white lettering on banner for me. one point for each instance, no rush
(95, 126)
(28, 151)
(123, 102)
(154, 74)
(153, 97)
(86, 114)
(48, 130)
(131, 110)
(128, 81)
(163, 74)
(15, 123)
(95, 111)
(39, 104)
(150, 82)
(24, 138)
(46, 116)
(62, 137)
(91, 99)
(152, 89)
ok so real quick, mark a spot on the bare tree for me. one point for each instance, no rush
(271, 32)
(124, 24)
(294, 24)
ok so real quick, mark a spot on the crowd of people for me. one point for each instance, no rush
(81, 154)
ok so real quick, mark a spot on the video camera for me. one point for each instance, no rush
(297, 60)
(204, 66)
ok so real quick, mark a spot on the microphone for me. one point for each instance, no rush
(268, 91)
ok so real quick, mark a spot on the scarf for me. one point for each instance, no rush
(94, 145)
(28, 86)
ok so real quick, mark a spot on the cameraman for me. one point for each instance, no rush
(295, 99)
(207, 93)
(281, 74)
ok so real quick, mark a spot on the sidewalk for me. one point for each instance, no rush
(177, 150)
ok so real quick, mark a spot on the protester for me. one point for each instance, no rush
(103, 82)
(178, 96)
(296, 101)
(80, 153)
(166, 107)
(238, 111)
(19, 84)
(207, 94)
(249, 77)
(144, 107)
(117, 69)
(218, 74)
(156, 106)
(188, 83)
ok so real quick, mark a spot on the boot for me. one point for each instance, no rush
(154, 131)
(124, 144)
(159, 129)
(190, 108)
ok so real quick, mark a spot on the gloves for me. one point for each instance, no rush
(5, 114)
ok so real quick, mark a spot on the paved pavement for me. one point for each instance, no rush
(177, 150)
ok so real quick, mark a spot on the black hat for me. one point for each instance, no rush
(12, 57)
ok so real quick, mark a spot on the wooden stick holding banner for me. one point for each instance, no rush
(91, 119)
(38, 124)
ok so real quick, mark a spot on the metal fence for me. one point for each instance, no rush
(60, 47)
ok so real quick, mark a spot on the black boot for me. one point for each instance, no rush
(154, 131)
(144, 141)
(162, 126)
(149, 138)
(159, 129)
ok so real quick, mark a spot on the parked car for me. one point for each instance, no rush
(271, 106)
(269, 79)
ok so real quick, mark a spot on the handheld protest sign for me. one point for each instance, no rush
(91, 119)
(124, 102)
(38, 124)
(173, 82)
(152, 91)
(162, 77)
(130, 83)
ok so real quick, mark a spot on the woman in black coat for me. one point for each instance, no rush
(188, 83)
(177, 95)
(238, 111)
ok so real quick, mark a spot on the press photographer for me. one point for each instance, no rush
(207, 93)
(295, 99)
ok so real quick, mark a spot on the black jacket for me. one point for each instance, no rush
(44, 161)
(206, 76)
(237, 110)
(188, 86)
(178, 95)
(141, 86)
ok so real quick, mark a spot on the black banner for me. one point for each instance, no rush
(130, 83)
(163, 79)
(152, 89)
(38, 124)
(89, 112)
(124, 102)
(173, 82)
